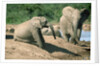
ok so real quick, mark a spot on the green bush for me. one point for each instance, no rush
(18, 13)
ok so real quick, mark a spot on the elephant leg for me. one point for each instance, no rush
(66, 37)
(22, 40)
(78, 33)
(38, 37)
(73, 40)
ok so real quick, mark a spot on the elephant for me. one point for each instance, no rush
(47, 31)
(30, 31)
(71, 23)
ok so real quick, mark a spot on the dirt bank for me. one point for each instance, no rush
(54, 49)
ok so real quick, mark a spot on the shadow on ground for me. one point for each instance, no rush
(52, 48)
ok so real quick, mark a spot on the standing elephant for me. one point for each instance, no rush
(71, 23)
(30, 31)
(47, 31)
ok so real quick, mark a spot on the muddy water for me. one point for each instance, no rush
(85, 35)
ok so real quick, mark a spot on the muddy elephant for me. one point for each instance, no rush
(47, 31)
(30, 31)
(71, 23)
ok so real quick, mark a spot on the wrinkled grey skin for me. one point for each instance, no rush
(47, 31)
(30, 31)
(71, 23)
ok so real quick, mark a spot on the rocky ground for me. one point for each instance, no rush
(54, 49)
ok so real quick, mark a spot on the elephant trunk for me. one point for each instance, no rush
(75, 30)
(75, 26)
(52, 29)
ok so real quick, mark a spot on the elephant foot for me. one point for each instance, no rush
(41, 45)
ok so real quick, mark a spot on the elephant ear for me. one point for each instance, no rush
(36, 23)
(84, 12)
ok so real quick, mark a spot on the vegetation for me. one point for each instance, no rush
(17, 13)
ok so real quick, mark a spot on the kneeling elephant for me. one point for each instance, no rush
(30, 31)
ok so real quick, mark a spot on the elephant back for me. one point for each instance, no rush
(67, 11)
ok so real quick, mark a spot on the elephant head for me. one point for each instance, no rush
(41, 22)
